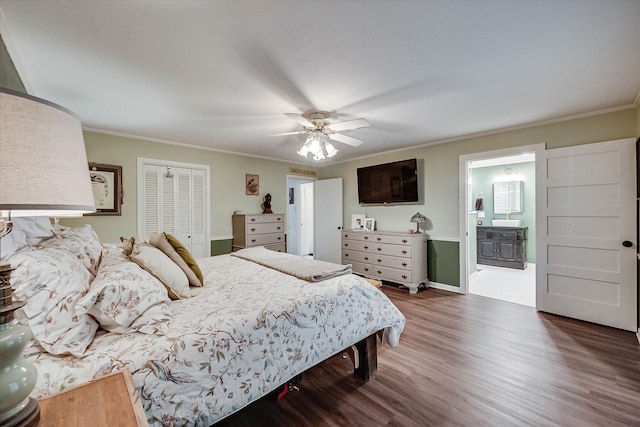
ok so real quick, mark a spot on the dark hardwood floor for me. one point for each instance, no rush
(466, 360)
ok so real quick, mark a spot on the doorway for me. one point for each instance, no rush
(300, 215)
(502, 276)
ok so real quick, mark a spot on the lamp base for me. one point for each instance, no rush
(28, 417)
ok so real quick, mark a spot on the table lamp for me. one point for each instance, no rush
(418, 218)
(43, 172)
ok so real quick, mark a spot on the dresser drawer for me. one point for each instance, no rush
(361, 268)
(355, 256)
(357, 245)
(265, 239)
(267, 227)
(365, 237)
(255, 219)
(394, 250)
(394, 240)
(392, 261)
(392, 274)
(280, 247)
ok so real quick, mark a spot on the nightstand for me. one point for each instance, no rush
(110, 401)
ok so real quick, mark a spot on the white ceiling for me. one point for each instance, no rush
(220, 74)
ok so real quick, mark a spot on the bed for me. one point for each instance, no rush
(202, 356)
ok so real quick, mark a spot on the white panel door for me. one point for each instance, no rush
(586, 233)
(328, 219)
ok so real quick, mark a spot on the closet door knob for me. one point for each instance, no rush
(627, 244)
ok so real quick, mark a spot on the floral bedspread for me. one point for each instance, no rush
(242, 335)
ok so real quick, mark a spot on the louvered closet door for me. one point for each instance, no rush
(176, 205)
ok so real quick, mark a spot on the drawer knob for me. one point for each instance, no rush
(346, 255)
(253, 219)
(366, 247)
(366, 237)
(404, 264)
(379, 272)
(379, 249)
(278, 228)
(253, 229)
(404, 252)
(404, 240)
(346, 236)
(379, 238)
(346, 245)
(253, 240)
(366, 258)
(278, 219)
(379, 260)
(279, 237)
(366, 269)
(404, 276)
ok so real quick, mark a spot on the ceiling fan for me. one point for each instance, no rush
(320, 130)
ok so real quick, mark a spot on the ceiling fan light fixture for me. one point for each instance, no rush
(331, 150)
(304, 150)
(315, 147)
(319, 156)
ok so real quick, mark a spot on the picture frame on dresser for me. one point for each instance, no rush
(369, 224)
(357, 221)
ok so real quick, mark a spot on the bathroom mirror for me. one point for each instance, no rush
(507, 197)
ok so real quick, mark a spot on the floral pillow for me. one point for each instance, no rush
(82, 242)
(125, 298)
(51, 281)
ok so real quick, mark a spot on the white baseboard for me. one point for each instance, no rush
(444, 287)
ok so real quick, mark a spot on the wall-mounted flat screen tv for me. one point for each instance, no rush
(395, 182)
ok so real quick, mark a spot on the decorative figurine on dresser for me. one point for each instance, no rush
(266, 206)
(259, 230)
(387, 255)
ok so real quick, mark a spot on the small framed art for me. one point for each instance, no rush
(106, 183)
(369, 224)
(252, 183)
(357, 222)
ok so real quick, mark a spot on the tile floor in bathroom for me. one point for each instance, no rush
(506, 284)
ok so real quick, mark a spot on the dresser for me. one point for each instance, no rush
(502, 246)
(259, 230)
(386, 255)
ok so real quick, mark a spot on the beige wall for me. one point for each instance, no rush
(227, 182)
(440, 174)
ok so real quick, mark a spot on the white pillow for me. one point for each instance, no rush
(26, 231)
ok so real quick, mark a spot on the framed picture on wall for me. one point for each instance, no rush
(252, 183)
(106, 183)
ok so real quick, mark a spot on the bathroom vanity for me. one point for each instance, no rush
(502, 246)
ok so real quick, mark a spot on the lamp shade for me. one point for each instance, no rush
(43, 162)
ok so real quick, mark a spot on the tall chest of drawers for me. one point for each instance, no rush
(259, 230)
(386, 255)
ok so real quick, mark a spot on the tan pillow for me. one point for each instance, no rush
(186, 256)
(159, 240)
(160, 266)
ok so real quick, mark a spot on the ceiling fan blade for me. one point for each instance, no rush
(288, 133)
(298, 118)
(349, 125)
(345, 139)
